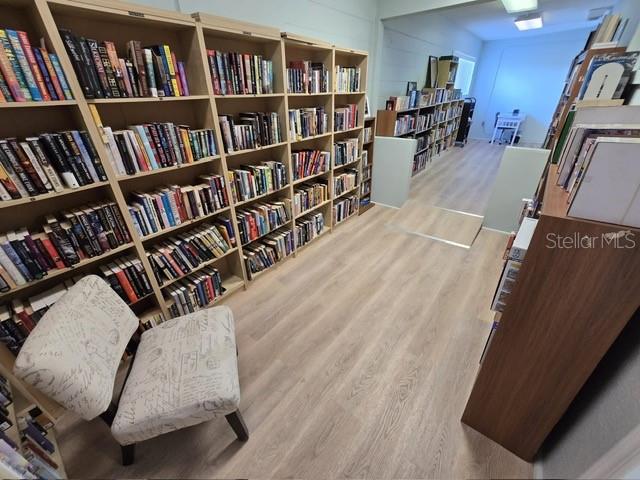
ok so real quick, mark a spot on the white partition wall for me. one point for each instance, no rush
(518, 177)
(392, 170)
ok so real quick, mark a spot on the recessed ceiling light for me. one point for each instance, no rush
(517, 6)
(529, 22)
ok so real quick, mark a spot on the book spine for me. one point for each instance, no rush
(139, 63)
(12, 93)
(26, 149)
(90, 66)
(12, 71)
(57, 68)
(72, 46)
(53, 95)
(85, 140)
(24, 64)
(48, 169)
(12, 268)
(73, 137)
(33, 65)
(108, 71)
(183, 79)
(59, 161)
(18, 169)
(53, 76)
(115, 65)
(92, 45)
(151, 79)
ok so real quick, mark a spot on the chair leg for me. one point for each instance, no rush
(128, 454)
(237, 424)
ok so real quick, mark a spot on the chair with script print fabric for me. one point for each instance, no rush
(184, 372)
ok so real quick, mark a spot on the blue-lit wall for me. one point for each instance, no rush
(526, 73)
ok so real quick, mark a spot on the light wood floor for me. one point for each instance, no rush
(356, 358)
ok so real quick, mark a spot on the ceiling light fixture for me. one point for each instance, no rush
(518, 6)
(529, 22)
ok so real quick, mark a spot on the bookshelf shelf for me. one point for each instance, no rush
(259, 149)
(308, 211)
(261, 197)
(231, 285)
(312, 137)
(346, 193)
(350, 164)
(318, 94)
(188, 223)
(348, 130)
(32, 104)
(249, 95)
(301, 248)
(310, 177)
(274, 230)
(61, 271)
(51, 195)
(107, 101)
(173, 168)
(213, 261)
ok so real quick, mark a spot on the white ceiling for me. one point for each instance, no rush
(490, 21)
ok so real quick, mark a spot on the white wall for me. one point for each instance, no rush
(407, 43)
(350, 24)
(528, 74)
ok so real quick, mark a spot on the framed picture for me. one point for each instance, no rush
(432, 73)
(367, 110)
(411, 86)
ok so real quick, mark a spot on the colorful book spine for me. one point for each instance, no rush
(21, 57)
(53, 94)
(55, 62)
(53, 76)
(33, 65)
(12, 71)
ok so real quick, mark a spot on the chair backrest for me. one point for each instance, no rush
(74, 352)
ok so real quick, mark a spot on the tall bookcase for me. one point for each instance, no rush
(189, 37)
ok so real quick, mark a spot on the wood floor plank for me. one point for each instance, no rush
(356, 357)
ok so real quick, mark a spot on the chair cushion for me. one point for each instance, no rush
(185, 372)
(74, 352)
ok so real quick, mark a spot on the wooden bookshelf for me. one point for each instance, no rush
(566, 309)
(189, 37)
(367, 170)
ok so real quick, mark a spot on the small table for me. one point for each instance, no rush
(508, 122)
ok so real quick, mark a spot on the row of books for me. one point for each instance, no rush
(151, 71)
(307, 77)
(234, 73)
(196, 291)
(345, 208)
(308, 228)
(180, 255)
(424, 122)
(128, 278)
(307, 122)
(347, 79)
(36, 444)
(82, 233)
(250, 181)
(251, 130)
(345, 118)
(18, 318)
(47, 163)
(365, 189)
(309, 162)
(345, 151)
(29, 73)
(344, 182)
(261, 219)
(270, 250)
(404, 124)
(173, 205)
(368, 134)
(307, 196)
(365, 159)
(403, 102)
(420, 161)
(6, 419)
(151, 146)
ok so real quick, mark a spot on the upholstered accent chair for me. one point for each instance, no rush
(184, 371)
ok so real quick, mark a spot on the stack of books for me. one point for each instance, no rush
(251, 130)
(47, 163)
(252, 181)
(180, 255)
(261, 219)
(347, 79)
(345, 151)
(308, 196)
(127, 277)
(307, 122)
(152, 146)
(196, 291)
(266, 253)
(235, 73)
(173, 205)
(20, 317)
(309, 228)
(345, 208)
(29, 73)
(306, 163)
(37, 447)
(345, 182)
(346, 117)
(307, 77)
(79, 234)
(151, 71)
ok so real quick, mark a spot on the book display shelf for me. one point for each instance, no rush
(433, 119)
(264, 112)
(367, 164)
